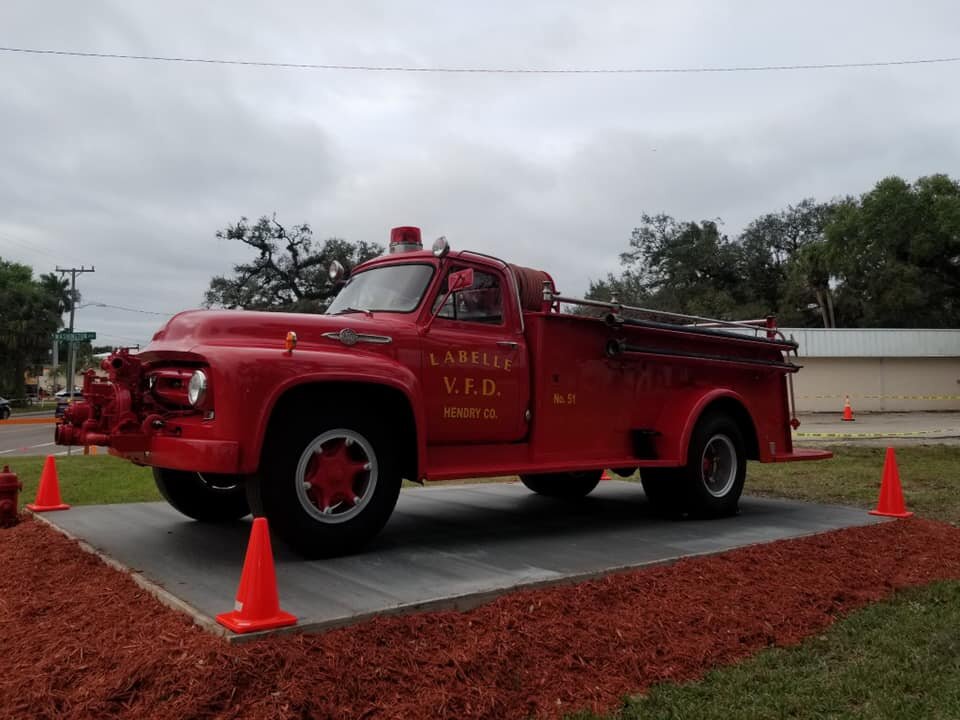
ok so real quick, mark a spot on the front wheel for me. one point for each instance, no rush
(4, 412)
(563, 485)
(328, 486)
(205, 497)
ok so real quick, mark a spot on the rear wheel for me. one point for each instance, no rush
(206, 497)
(563, 485)
(4, 412)
(711, 482)
(329, 485)
(716, 467)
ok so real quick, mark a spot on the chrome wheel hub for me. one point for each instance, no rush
(718, 465)
(336, 476)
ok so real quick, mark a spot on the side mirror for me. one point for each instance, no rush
(459, 280)
(336, 272)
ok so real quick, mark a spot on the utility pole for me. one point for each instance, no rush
(56, 360)
(72, 356)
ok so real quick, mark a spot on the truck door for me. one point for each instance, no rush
(476, 376)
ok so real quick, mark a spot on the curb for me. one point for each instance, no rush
(939, 434)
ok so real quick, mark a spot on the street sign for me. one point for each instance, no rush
(75, 337)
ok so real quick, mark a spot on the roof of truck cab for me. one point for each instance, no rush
(422, 255)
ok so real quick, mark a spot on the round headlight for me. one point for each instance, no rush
(197, 389)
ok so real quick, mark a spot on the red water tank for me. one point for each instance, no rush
(10, 487)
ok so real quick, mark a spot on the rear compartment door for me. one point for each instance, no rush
(476, 377)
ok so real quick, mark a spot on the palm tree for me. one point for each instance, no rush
(58, 288)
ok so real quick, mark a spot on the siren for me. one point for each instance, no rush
(405, 239)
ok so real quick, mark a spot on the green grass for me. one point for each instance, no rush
(88, 480)
(47, 408)
(14, 411)
(929, 474)
(896, 659)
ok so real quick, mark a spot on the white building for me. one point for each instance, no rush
(881, 370)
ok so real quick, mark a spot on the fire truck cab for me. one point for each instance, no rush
(433, 365)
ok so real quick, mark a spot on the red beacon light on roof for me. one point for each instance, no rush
(405, 239)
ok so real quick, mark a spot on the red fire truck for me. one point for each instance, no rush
(433, 365)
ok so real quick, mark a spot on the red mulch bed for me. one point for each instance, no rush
(78, 639)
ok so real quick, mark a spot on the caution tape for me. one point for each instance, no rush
(880, 397)
(894, 434)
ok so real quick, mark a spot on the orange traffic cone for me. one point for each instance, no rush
(257, 606)
(890, 503)
(847, 410)
(605, 475)
(48, 494)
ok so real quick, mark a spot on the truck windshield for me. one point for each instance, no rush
(394, 288)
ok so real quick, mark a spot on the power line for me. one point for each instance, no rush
(120, 337)
(127, 309)
(486, 70)
(27, 246)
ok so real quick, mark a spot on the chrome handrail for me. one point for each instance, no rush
(698, 321)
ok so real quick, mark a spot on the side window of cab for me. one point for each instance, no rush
(482, 302)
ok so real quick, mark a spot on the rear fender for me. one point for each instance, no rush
(686, 409)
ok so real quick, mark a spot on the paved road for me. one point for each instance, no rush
(897, 429)
(18, 440)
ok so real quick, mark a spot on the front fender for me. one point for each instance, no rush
(266, 379)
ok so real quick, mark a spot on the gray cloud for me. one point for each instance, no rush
(134, 166)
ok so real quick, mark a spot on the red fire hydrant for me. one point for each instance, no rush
(10, 487)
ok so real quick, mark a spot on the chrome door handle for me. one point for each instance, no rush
(508, 344)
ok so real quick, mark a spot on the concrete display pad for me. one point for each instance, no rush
(444, 547)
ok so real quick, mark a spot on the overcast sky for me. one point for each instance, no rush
(133, 166)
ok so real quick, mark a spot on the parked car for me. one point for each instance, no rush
(63, 399)
(4, 409)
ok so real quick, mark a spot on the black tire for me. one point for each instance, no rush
(295, 514)
(207, 498)
(4, 413)
(568, 486)
(715, 432)
(711, 482)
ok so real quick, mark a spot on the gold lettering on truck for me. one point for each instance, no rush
(470, 358)
(454, 412)
(485, 387)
